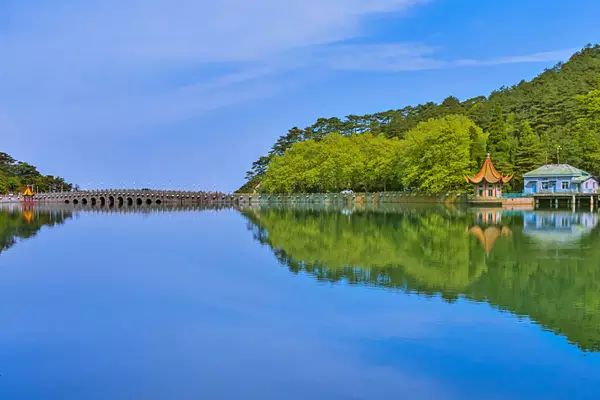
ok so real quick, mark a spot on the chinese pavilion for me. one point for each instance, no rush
(488, 182)
(28, 194)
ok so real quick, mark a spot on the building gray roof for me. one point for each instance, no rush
(549, 170)
(581, 179)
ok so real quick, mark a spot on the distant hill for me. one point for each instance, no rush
(549, 104)
(15, 175)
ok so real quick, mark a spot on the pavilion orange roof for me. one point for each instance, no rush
(28, 191)
(489, 173)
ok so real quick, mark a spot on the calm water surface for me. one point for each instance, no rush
(299, 303)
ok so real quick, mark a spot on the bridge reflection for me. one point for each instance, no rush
(23, 221)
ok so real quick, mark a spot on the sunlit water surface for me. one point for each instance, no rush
(299, 303)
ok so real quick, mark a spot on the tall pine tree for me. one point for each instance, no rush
(529, 155)
(499, 142)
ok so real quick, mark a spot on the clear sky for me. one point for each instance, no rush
(186, 94)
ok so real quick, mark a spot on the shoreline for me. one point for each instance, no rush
(11, 199)
(382, 198)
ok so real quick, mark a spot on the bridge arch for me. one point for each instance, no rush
(120, 201)
(138, 201)
(93, 201)
(102, 201)
(111, 201)
(84, 201)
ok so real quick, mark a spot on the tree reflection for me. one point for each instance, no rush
(483, 255)
(24, 222)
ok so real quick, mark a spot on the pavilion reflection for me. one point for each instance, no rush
(488, 227)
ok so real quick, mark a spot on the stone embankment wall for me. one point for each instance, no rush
(338, 198)
(6, 199)
(518, 203)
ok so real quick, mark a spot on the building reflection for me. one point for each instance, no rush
(558, 226)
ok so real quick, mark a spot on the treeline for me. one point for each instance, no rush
(524, 124)
(431, 158)
(15, 175)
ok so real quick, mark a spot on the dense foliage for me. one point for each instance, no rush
(436, 154)
(524, 126)
(15, 175)
(337, 162)
(432, 157)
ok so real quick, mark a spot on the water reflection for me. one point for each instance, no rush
(23, 222)
(559, 227)
(543, 265)
(489, 228)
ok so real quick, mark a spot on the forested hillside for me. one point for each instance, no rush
(15, 175)
(555, 115)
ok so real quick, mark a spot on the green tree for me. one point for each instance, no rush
(436, 154)
(499, 142)
(529, 155)
(336, 162)
(477, 152)
(15, 175)
(588, 132)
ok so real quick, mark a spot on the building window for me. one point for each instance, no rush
(545, 185)
(490, 192)
(565, 185)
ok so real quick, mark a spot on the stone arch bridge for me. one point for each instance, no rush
(135, 198)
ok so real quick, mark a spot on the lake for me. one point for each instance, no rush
(297, 303)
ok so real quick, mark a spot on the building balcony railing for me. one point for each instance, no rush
(565, 192)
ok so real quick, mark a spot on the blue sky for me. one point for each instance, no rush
(186, 94)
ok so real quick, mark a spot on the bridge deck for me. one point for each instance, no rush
(135, 197)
